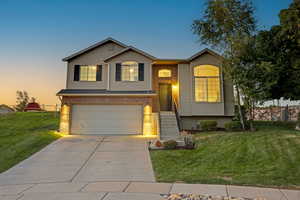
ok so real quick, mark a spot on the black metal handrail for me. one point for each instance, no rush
(177, 114)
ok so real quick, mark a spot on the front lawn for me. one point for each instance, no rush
(267, 157)
(22, 134)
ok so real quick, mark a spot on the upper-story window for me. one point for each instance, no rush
(207, 83)
(130, 71)
(164, 73)
(88, 73)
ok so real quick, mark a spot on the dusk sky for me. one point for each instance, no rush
(36, 35)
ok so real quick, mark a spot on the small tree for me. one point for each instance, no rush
(22, 100)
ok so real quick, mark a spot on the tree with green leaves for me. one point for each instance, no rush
(22, 100)
(287, 56)
(275, 54)
(228, 25)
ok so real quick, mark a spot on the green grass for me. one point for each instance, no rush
(267, 157)
(22, 134)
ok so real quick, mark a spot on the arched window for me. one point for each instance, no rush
(164, 73)
(207, 83)
(130, 71)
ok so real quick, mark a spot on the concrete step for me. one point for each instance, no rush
(168, 126)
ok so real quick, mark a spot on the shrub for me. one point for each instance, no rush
(278, 124)
(208, 125)
(233, 126)
(170, 144)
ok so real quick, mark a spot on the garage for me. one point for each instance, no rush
(106, 119)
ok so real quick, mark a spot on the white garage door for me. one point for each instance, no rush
(106, 119)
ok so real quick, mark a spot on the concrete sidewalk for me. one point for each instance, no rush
(133, 191)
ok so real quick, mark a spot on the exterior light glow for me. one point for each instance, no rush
(148, 125)
(64, 119)
(174, 87)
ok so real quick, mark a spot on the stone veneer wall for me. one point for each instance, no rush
(275, 113)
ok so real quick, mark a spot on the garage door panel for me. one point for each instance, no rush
(106, 119)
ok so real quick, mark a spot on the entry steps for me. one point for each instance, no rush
(168, 126)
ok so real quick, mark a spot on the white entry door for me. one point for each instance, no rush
(106, 119)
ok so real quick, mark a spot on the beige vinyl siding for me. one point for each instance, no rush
(93, 57)
(188, 105)
(130, 85)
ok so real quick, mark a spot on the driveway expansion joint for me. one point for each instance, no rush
(87, 160)
(104, 196)
(126, 187)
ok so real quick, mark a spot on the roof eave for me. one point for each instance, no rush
(130, 48)
(206, 50)
(78, 53)
(79, 94)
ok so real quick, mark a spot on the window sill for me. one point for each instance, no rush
(87, 81)
(129, 81)
(206, 102)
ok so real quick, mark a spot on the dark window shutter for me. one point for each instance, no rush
(76, 72)
(141, 71)
(99, 73)
(118, 72)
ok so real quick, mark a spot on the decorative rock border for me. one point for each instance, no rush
(203, 197)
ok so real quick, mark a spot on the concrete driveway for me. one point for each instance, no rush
(85, 159)
(105, 168)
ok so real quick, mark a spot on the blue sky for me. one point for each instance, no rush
(35, 35)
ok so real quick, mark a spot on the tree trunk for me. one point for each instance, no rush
(251, 110)
(240, 108)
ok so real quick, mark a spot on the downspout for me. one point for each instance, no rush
(108, 76)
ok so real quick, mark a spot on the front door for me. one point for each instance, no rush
(165, 96)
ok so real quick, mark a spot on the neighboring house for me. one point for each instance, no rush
(4, 109)
(32, 107)
(117, 89)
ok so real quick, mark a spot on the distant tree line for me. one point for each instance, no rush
(22, 100)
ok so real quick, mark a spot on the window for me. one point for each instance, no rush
(207, 83)
(88, 73)
(164, 73)
(130, 71)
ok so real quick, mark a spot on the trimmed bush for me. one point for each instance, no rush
(208, 125)
(233, 126)
(170, 144)
(278, 124)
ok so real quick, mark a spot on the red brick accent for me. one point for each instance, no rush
(156, 80)
(108, 100)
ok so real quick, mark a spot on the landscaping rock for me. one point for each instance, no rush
(202, 197)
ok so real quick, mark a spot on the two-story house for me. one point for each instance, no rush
(117, 89)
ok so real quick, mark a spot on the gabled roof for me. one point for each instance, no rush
(109, 39)
(206, 50)
(131, 48)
